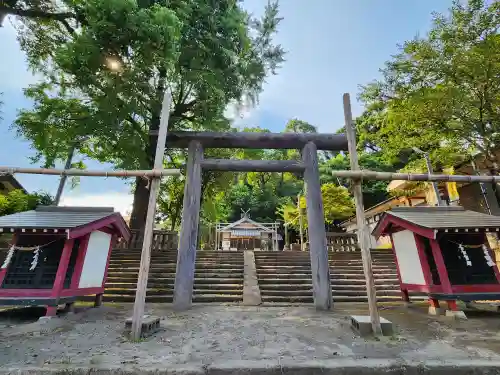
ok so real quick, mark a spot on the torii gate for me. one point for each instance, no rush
(308, 143)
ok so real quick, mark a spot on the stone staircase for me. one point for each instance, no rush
(348, 279)
(218, 276)
(286, 276)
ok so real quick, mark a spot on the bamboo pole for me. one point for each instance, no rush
(142, 281)
(155, 172)
(363, 239)
(359, 174)
(388, 176)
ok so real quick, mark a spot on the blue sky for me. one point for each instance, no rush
(333, 46)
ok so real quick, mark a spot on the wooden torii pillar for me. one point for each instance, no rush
(318, 249)
(186, 253)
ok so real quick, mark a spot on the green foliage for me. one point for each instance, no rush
(441, 93)
(18, 201)
(106, 64)
(337, 204)
(373, 191)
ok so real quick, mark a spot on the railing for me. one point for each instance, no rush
(340, 242)
(162, 240)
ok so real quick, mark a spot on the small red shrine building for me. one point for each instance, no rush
(57, 254)
(443, 252)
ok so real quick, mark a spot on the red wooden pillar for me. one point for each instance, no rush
(60, 275)
(441, 267)
(98, 297)
(443, 274)
(82, 250)
(404, 293)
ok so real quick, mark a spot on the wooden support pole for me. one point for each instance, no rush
(317, 234)
(186, 253)
(142, 281)
(363, 235)
(253, 165)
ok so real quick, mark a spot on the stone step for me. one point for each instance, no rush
(275, 271)
(173, 266)
(170, 286)
(288, 299)
(197, 280)
(284, 266)
(340, 298)
(206, 298)
(334, 276)
(284, 281)
(153, 270)
(156, 274)
(362, 287)
(354, 263)
(335, 288)
(268, 287)
(380, 293)
(274, 292)
(264, 276)
(199, 254)
(174, 258)
(362, 281)
(359, 271)
(309, 299)
(161, 291)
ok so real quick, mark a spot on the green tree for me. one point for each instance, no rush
(106, 65)
(337, 204)
(18, 201)
(441, 93)
(373, 191)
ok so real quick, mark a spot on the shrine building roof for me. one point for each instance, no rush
(75, 221)
(441, 218)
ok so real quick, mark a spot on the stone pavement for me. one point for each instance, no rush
(243, 339)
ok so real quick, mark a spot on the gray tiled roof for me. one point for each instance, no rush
(51, 217)
(445, 217)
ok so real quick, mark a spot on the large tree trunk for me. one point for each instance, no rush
(141, 193)
(140, 205)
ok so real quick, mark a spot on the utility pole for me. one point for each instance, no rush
(435, 187)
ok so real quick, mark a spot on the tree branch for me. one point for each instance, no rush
(36, 13)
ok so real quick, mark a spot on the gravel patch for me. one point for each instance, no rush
(209, 334)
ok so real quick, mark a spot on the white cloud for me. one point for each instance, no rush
(120, 201)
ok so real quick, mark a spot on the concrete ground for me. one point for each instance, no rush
(243, 339)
